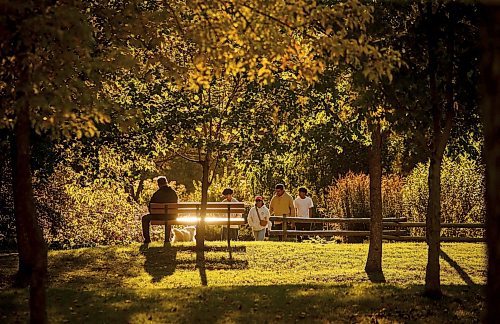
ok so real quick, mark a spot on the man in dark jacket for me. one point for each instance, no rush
(165, 194)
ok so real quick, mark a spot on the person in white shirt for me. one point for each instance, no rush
(303, 208)
(258, 219)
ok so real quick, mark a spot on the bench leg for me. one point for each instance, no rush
(168, 231)
(146, 220)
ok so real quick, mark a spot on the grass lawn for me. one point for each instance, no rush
(266, 282)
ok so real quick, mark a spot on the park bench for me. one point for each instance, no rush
(189, 213)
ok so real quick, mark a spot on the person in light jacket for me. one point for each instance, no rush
(258, 219)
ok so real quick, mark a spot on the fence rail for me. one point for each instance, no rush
(394, 228)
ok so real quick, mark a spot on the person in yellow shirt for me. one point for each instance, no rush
(281, 204)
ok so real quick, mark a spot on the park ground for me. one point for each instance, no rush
(265, 282)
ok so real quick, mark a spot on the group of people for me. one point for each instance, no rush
(281, 204)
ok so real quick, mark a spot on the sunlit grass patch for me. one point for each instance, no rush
(265, 281)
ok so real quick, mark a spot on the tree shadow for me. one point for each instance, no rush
(263, 304)
(160, 261)
(201, 265)
(8, 270)
(241, 249)
(376, 276)
(213, 264)
(465, 277)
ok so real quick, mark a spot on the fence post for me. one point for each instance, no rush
(167, 239)
(396, 226)
(228, 231)
(284, 227)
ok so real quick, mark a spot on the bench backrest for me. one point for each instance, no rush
(194, 208)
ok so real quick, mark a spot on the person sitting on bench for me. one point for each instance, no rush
(164, 194)
(234, 229)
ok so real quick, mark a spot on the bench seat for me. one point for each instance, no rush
(196, 220)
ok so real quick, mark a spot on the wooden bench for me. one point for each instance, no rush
(189, 213)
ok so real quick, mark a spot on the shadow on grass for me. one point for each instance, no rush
(241, 249)
(201, 265)
(376, 276)
(160, 261)
(461, 272)
(8, 269)
(282, 303)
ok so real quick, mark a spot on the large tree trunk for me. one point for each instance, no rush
(433, 229)
(374, 260)
(31, 245)
(438, 143)
(440, 137)
(490, 72)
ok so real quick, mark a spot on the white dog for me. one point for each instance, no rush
(186, 234)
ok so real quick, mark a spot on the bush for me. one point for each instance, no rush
(349, 197)
(74, 215)
(241, 187)
(462, 195)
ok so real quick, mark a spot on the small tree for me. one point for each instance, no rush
(54, 59)
(433, 92)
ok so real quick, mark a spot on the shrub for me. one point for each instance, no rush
(462, 195)
(349, 197)
(241, 187)
(72, 214)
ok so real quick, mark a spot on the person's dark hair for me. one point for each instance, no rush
(280, 186)
(162, 181)
(227, 191)
(302, 189)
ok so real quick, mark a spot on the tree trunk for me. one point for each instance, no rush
(433, 221)
(490, 35)
(200, 232)
(31, 245)
(139, 190)
(374, 260)
(433, 229)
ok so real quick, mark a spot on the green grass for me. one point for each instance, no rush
(266, 282)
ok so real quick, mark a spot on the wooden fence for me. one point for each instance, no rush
(394, 229)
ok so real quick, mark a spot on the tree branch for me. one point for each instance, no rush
(177, 21)
(185, 157)
(216, 166)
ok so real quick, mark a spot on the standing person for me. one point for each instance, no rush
(164, 194)
(233, 230)
(258, 219)
(303, 208)
(281, 204)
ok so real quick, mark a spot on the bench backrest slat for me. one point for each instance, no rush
(183, 208)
